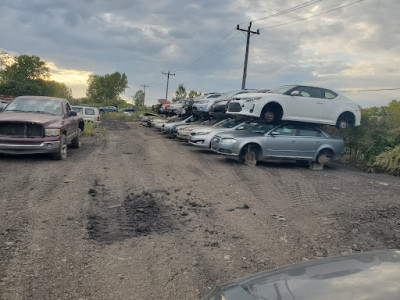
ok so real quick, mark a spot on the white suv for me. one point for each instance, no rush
(89, 113)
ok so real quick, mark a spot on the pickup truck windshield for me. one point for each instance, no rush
(41, 106)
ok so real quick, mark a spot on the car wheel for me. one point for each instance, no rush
(269, 116)
(324, 157)
(342, 124)
(249, 156)
(76, 142)
(62, 150)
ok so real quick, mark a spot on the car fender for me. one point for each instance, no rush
(244, 144)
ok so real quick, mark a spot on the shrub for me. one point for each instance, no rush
(92, 130)
(389, 161)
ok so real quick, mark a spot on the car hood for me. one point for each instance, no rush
(239, 134)
(369, 275)
(36, 118)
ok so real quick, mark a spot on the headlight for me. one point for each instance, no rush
(204, 101)
(228, 141)
(52, 132)
(203, 133)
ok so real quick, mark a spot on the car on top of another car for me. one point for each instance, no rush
(298, 103)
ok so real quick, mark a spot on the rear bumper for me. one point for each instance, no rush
(29, 148)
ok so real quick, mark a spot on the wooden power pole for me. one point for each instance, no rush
(168, 74)
(144, 91)
(246, 58)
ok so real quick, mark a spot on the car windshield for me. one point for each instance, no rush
(282, 89)
(231, 123)
(256, 127)
(40, 106)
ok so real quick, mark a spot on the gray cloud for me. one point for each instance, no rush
(198, 40)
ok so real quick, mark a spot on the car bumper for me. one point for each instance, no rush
(247, 108)
(29, 148)
(226, 149)
(200, 140)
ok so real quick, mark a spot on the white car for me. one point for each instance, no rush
(298, 103)
(88, 113)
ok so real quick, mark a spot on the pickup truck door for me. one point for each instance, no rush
(70, 124)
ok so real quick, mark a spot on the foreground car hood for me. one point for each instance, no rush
(370, 275)
(37, 118)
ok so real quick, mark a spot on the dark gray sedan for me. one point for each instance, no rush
(294, 141)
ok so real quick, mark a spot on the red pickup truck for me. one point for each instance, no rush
(36, 124)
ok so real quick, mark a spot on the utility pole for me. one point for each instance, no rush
(246, 58)
(144, 91)
(168, 74)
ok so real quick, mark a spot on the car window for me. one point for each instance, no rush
(77, 109)
(89, 111)
(329, 94)
(307, 91)
(287, 130)
(308, 131)
(67, 108)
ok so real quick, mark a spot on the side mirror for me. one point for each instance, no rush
(274, 133)
(295, 93)
(72, 113)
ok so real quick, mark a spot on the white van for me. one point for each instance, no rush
(89, 113)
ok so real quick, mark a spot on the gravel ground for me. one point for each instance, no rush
(137, 215)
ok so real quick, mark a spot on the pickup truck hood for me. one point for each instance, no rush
(43, 119)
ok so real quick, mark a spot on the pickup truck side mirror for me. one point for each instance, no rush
(274, 133)
(72, 113)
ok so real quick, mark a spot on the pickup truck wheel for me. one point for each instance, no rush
(61, 153)
(76, 142)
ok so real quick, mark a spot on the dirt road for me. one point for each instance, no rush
(135, 215)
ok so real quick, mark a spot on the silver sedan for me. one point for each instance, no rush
(295, 141)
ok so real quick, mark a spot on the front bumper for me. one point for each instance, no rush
(29, 148)
(202, 140)
(224, 148)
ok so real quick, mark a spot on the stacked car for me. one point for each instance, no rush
(263, 125)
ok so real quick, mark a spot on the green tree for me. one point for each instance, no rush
(139, 98)
(106, 90)
(194, 94)
(23, 69)
(180, 93)
(55, 89)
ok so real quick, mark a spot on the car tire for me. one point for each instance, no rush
(272, 113)
(324, 157)
(342, 124)
(76, 142)
(62, 151)
(249, 156)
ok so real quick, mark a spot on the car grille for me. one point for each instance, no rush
(234, 107)
(21, 130)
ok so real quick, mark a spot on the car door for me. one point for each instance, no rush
(281, 142)
(308, 139)
(305, 104)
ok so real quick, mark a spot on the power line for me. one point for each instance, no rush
(286, 11)
(307, 18)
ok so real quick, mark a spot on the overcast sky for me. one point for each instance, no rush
(353, 48)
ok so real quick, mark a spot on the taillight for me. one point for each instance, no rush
(98, 118)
